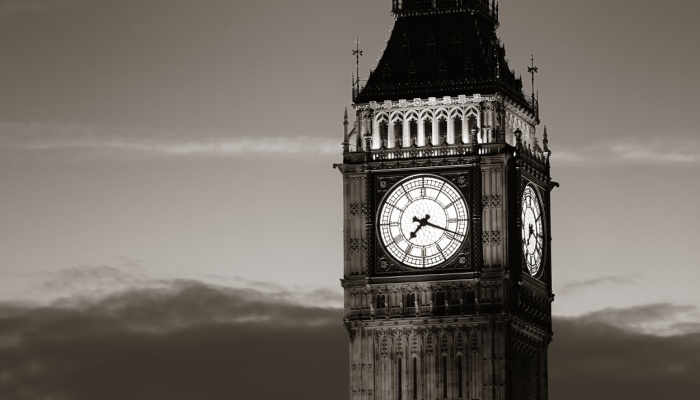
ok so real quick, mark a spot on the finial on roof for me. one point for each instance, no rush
(532, 70)
(346, 142)
(545, 142)
(357, 52)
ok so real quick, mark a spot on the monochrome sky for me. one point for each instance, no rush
(143, 141)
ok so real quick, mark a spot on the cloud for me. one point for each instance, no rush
(659, 319)
(611, 280)
(215, 147)
(655, 154)
(591, 359)
(45, 137)
(629, 151)
(62, 137)
(568, 157)
(192, 341)
(85, 284)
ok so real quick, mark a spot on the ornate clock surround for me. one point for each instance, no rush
(528, 176)
(468, 258)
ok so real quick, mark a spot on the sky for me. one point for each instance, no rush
(146, 142)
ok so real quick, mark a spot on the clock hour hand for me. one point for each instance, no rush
(421, 223)
(532, 232)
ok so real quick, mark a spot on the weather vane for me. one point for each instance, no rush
(532, 70)
(357, 52)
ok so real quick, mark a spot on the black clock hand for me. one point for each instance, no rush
(443, 229)
(422, 222)
(532, 232)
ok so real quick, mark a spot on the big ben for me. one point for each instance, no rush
(447, 228)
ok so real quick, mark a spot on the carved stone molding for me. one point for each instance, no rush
(359, 209)
(493, 201)
(356, 245)
(492, 238)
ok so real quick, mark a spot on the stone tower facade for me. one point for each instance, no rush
(447, 266)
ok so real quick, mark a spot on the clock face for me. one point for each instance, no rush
(532, 231)
(423, 221)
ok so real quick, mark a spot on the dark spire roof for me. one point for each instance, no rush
(446, 50)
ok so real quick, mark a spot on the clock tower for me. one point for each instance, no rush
(447, 230)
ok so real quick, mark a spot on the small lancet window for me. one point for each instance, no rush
(398, 133)
(428, 131)
(381, 302)
(457, 129)
(384, 134)
(442, 131)
(411, 300)
(473, 126)
(413, 129)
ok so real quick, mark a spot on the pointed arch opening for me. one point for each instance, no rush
(473, 127)
(384, 134)
(411, 303)
(413, 132)
(457, 129)
(398, 133)
(442, 131)
(428, 131)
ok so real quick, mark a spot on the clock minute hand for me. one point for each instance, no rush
(442, 229)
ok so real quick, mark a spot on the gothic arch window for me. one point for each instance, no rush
(442, 131)
(428, 130)
(413, 131)
(384, 134)
(471, 110)
(410, 303)
(457, 129)
(381, 134)
(381, 302)
(411, 300)
(472, 124)
(396, 128)
(412, 119)
(398, 133)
